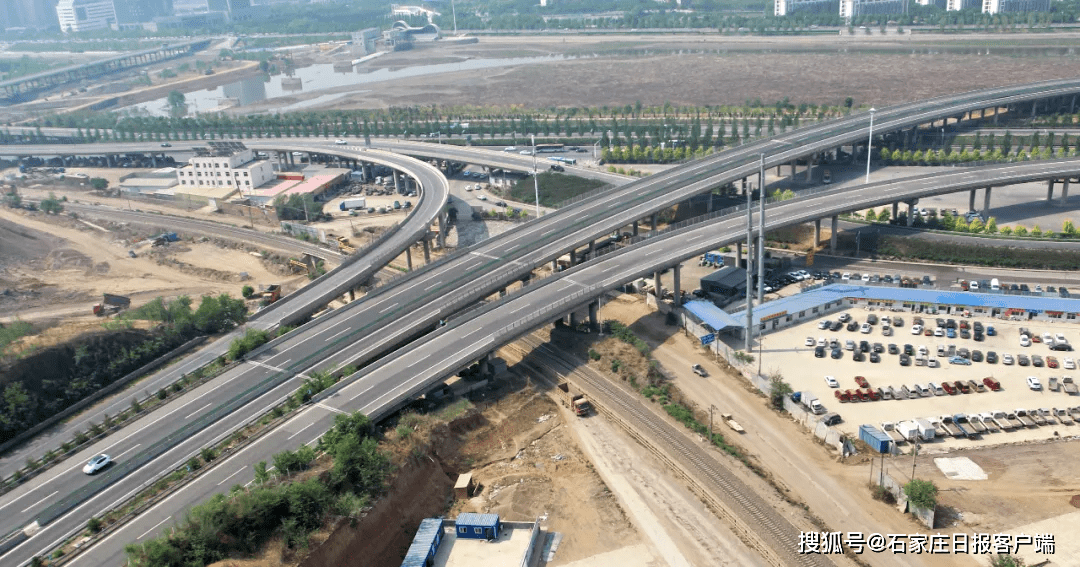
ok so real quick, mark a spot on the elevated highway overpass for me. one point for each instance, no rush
(415, 367)
(411, 306)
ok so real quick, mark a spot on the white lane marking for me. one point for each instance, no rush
(226, 478)
(336, 335)
(524, 305)
(326, 407)
(39, 502)
(301, 429)
(389, 308)
(488, 256)
(153, 528)
(428, 288)
(133, 447)
(188, 416)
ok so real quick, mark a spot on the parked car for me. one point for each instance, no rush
(699, 370)
(837, 354)
(832, 383)
(991, 357)
(1036, 361)
(960, 361)
(1023, 360)
(1064, 347)
(1007, 359)
(819, 352)
(1034, 383)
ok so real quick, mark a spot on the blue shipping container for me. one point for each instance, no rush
(477, 526)
(425, 543)
(877, 440)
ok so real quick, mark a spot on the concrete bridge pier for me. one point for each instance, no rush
(911, 212)
(1049, 190)
(635, 228)
(554, 266)
(397, 182)
(708, 202)
(653, 220)
(986, 200)
(408, 257)
(594, 315)
(442, 230)
(794, 163)
(832, 236)
(573, 319)
(810, 161)
(592, 249)
(895, 210)
(658, 285)
(427, 250)
(971, 200)
(817, 233)
(675, 285)
(1064, 191)
(502, 292)
(738, 254)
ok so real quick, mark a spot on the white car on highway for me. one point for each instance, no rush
(97, 463)
(482, 197)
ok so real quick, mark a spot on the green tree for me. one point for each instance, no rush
(884, 215)
(871, 215)
(52, 205)
(1005, 560)
(991, 226)
(176, 99)
(976, 226)
(961, 225)
(778, 390)
(922, 493)
(1036, 232)
(1020, 231)
(247, 291)
(1068, 228)
(99, 184)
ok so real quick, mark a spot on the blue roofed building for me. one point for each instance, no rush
(425, 544)
(477, 539)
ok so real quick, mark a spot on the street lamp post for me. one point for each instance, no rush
(870, 145)
(536, 181)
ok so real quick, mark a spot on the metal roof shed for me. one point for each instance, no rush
(477, 526)
(711, 315)
(425, 543)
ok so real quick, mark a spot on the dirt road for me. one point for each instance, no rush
(834, 492)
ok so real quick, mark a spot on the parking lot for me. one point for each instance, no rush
(788, 352)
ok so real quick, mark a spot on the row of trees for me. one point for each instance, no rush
(275, 506)
(946, 157)
(955, 223)
(41, 385)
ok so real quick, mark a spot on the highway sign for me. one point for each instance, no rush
(708, 339)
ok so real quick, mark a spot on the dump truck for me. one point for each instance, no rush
(1068, 384)
(891, 431)
(726, 418)
(577, 402)
(966, 422)
(947, 424)
(271, 293)
(988, 422)
(111, 304)
(1022, 417)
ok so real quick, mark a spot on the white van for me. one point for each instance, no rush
(995, 285)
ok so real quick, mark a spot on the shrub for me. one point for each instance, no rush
(593, 354)
(922, 493)
(94, 525)
(247, 291)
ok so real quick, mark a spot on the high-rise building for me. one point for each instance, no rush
(788, 7)
(855, 8)
(140, 11)
(1013, 6)
(85, 15)
(28, 14)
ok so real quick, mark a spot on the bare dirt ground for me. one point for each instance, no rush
(708, 71)
(64, 262)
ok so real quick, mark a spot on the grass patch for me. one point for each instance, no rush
(12, 332)
(955, 253)
(554, 188)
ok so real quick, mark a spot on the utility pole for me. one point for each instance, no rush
(761, 235)
(711, 409)
(536, 181)
(914, 453)
(749, 270)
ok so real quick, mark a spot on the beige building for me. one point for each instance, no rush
(225, 164)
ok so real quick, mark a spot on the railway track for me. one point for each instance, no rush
(754, 519)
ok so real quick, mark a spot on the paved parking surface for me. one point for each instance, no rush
(785, 351)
